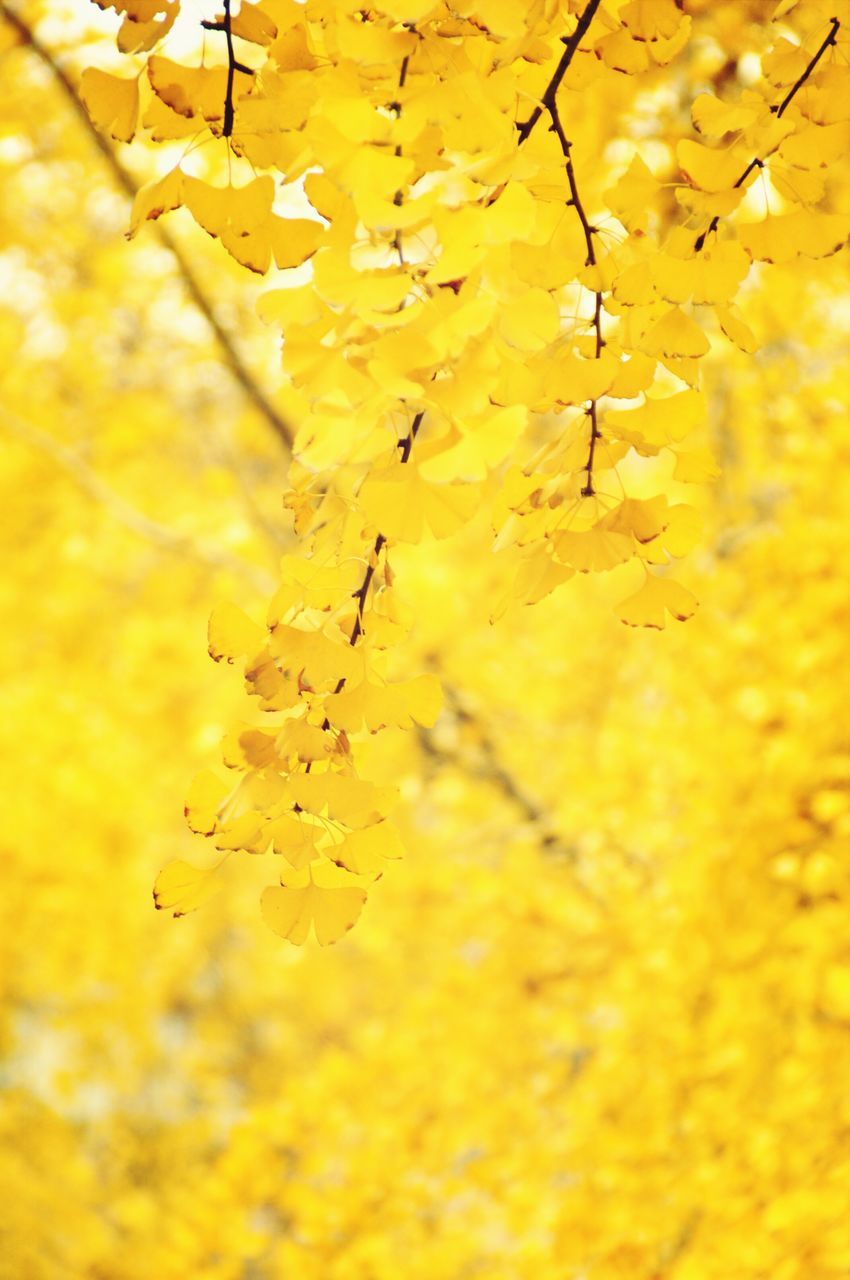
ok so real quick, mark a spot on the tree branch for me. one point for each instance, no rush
(124, 179)
(758, 161)
(572, 43)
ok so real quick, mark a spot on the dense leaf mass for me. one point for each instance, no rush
(559, 290)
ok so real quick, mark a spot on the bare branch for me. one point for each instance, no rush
(195, 290)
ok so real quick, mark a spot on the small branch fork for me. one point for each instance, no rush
(572, 43)
(758, 162)
(226, 25)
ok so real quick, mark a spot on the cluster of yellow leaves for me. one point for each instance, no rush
(298, 793)
(488, 318)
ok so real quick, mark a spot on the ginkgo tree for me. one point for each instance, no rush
(477, 311)
(595, 1025)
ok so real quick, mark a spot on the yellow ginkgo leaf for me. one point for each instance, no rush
(369, 44)
(240, 217)
(695, 466)
(592, 550)
(145, 21)
(245, 747)
(203, 802)
(674, 336)
(529, 321)
(783, 237)
(306, 742)
(289, 909)
(710, 276)
(253, 24)
(643, 518)
(682, 529)
(650, 20)
(364, 852)
(245, 831)
(633, 376)
(112, 102)
(195, 91)
(155, 199)
(181, 888)
(634, 286)
(314, 657)
(575, 380)
(164, 125)
(295, 838)
(376, 705)
(620, 52)
(307, 584)
(658, 421)
(651, 603)
(537, 576)
(231, 634)
(816, 147)
(351, 800)
(711, 170)
(736, 329)
(294, 240)
(633, 196)
(714, 118)
(402, 504)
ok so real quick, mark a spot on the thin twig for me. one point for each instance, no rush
(590, 261)
(128, 185)
(151, 530)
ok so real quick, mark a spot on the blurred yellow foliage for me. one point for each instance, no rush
(596, 1025)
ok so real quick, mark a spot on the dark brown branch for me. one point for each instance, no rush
(360, 595)
(590, 261)
(227, 129)
(758, 161)
(362, 592)
(124, 179)
(795, 88)
(226, 25)
(572, 43)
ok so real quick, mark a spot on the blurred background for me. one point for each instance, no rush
(597, 1024)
